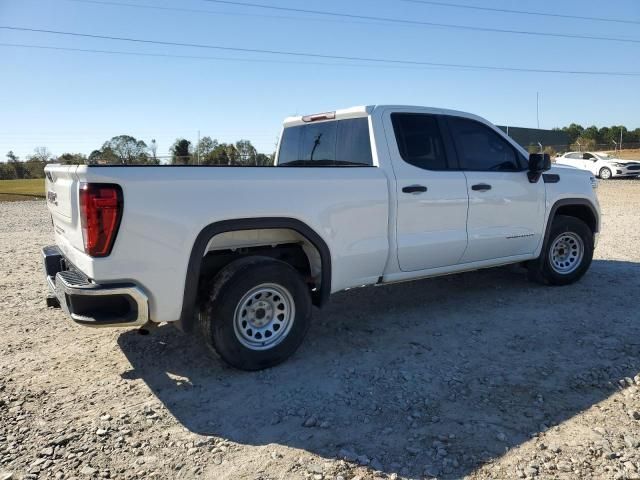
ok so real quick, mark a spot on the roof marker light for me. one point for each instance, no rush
(319, 116)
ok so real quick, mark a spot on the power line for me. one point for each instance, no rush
(230, 59)
(196, 10)
(394, 62)
(525, 12)
(423, 23)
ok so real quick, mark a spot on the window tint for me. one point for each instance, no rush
(419, 140)
(318, 142)
(337, 143)
(480, 148)
(352, 142)
(588, 156)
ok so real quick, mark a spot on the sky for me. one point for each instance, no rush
(73, 101)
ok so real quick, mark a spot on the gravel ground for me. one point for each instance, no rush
(480, 375)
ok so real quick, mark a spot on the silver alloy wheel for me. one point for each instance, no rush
(264, 316)
(605, 173)
(566, 253)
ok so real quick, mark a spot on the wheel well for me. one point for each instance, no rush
(293, 254)
(286, 239)
(286, 245)
(583, 212)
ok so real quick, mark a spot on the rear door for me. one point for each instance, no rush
(432, 198)
(576, 160)
(506, 211)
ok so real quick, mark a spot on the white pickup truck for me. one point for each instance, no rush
(357, 197)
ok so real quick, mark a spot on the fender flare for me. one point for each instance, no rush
(207, 233)
(564, 202)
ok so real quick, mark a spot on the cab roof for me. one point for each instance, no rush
(366, 110)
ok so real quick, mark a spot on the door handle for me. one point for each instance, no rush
(414, 189)
(481, 187)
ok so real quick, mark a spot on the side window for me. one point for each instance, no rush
(353, 144)
(337, 143)
(481, 149)
(574, 156)
(588, 156)
(289, 145)
(419, 140)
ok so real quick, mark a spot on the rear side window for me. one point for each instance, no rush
(482, 149)
(419, 140)
(337, 143)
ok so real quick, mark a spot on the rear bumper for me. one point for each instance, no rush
(92, 304)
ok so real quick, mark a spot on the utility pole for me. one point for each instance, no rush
(198, 147)
(538, 108)
(620, 138)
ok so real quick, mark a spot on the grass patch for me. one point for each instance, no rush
(13, 190)
(631, 154)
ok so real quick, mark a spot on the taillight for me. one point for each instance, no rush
(100, 213)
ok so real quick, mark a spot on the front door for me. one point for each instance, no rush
(432, 199)
(506, 210)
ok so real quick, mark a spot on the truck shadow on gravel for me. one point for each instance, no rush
(442, 374)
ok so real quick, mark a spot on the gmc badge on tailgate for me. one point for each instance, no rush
(52, 197)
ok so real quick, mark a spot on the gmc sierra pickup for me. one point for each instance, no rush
(361, 196)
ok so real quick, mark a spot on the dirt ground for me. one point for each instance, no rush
(480, 375)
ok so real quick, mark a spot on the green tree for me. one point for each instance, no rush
(264, 160)
(73, 158)
(181, 152)
(126, 149)
(205, 146)
(573, 131)
(246, 152)
(592, 133)
(14, 163)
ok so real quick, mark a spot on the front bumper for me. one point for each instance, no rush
(625, 172)
(89, 303)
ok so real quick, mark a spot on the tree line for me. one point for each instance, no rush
(128, 150)
(581, 138)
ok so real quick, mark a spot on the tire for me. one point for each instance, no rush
(256, 313)
(605, 173)
(566, 255)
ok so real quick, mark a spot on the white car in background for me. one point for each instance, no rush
(601, 164)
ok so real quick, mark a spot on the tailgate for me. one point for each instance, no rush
(61, 185)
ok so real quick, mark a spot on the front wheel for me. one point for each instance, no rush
(257, 313)
(567, 254)
(605, 173)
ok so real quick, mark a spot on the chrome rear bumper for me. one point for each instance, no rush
(89, 303)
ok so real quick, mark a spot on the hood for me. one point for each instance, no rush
(621, 160)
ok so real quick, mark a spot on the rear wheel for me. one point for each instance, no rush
(567, 253)
(605, 173)
(257, 313)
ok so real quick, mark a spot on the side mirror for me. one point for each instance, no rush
(538, 163)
